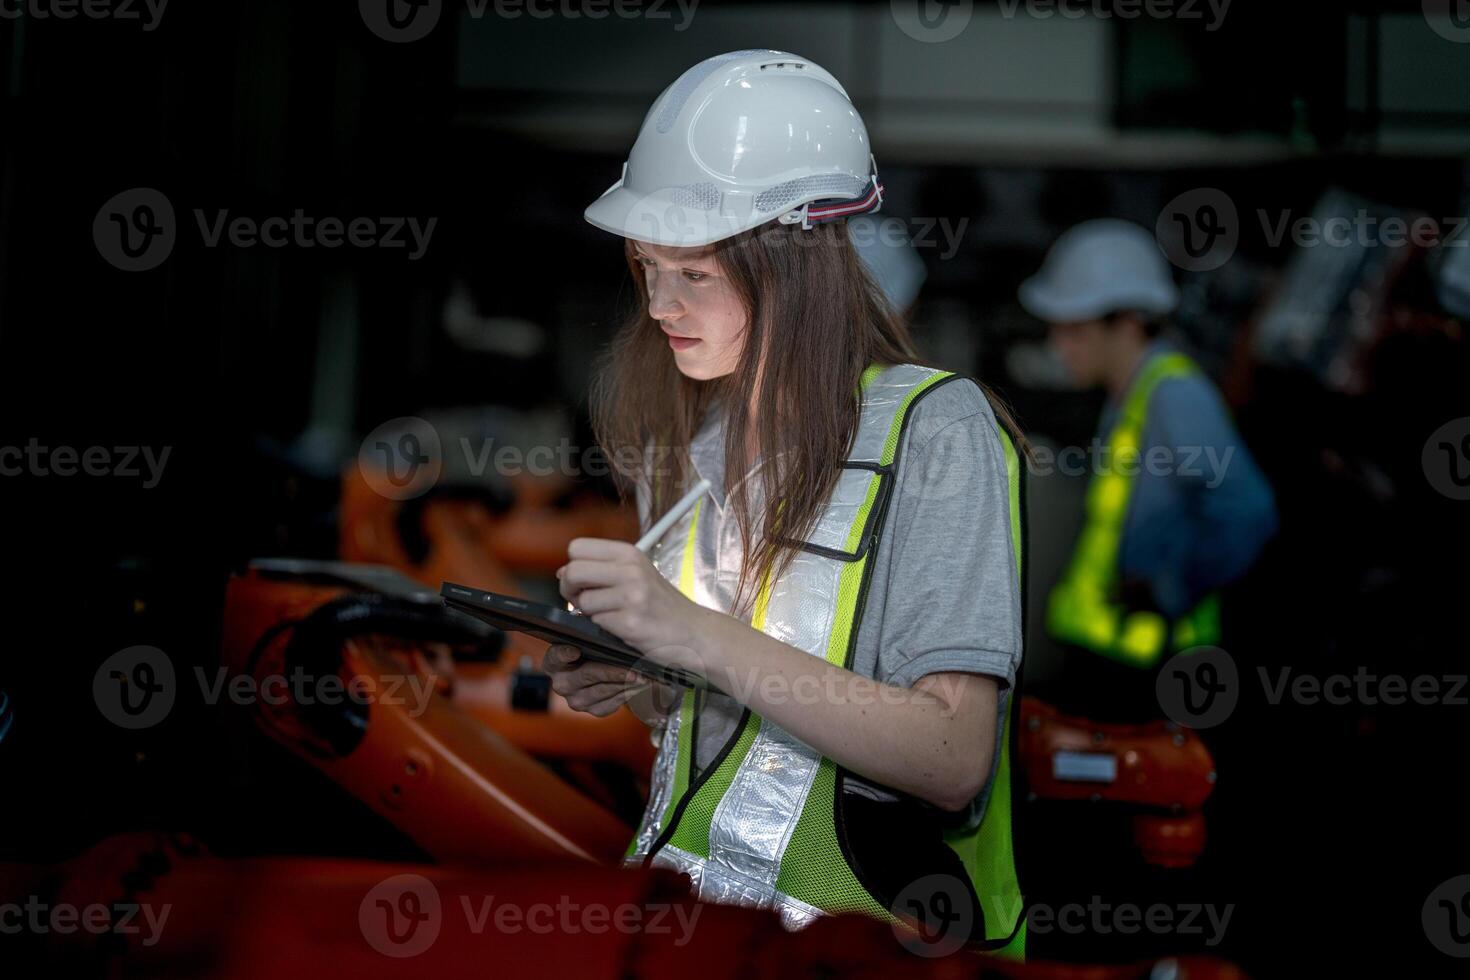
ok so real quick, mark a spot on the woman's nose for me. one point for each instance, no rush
(662, 303)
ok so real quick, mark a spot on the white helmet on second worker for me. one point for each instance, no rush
(738, 140)
(1097, 268)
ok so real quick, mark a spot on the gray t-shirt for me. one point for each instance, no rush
(944, 594)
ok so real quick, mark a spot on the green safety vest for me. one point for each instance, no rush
(1081, 608)
(756, 827)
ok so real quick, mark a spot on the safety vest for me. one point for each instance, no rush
(1080, 609)
(756, 826)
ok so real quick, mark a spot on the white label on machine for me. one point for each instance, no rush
(1085, 767)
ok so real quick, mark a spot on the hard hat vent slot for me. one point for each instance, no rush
(705, 197)
(690, 80)
(821, 186)
(782, 65)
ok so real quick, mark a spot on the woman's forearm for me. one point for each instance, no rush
(933, 741)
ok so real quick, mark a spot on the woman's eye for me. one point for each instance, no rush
(695, 276)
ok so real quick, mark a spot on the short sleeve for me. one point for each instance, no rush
(953, 600)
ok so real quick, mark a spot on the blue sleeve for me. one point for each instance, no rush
(1226, 511)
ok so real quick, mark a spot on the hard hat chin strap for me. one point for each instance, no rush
(832, 209)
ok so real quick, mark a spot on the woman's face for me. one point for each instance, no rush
(696, 306)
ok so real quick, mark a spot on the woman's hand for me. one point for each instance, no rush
(601, 689)
(615, 585)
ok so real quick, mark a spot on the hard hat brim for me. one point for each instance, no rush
(657, 218)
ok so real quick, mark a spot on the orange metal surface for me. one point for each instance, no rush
(1159, 764)
(299, 917)
(458, 789)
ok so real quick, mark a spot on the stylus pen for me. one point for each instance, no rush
(668, 520)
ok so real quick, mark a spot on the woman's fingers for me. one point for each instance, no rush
(606, 706)
(560, 657)
(582, 573)
(593, 601)
(593, 693)
(601, 549)
(569, 682)
(588, 683)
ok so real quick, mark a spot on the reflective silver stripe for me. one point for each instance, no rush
(753, 822)
(668, 558)
(722, 886)
(661, 784)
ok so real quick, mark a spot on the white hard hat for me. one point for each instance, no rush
(1100, 267)
(738, 140)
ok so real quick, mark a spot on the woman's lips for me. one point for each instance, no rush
(682, 343)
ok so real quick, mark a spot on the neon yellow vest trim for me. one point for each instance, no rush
(1080, 609)
(812, 868)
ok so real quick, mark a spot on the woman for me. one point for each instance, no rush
(865, 648)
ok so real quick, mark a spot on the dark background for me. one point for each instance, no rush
(261, 369)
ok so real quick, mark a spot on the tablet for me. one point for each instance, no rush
(555, 624)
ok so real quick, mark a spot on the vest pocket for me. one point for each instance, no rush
(892, 844)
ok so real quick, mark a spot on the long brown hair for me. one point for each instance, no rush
(821, 320)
